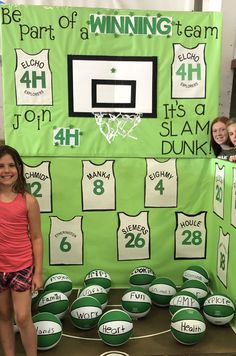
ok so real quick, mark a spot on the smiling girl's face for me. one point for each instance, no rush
(219, 132)
(8, 171)
(232, 133)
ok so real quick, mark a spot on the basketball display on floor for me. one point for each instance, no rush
(188, 326)
(54, 302)
(142, 276)
(115, 327)
(136, 302)
(161, 291)
(60, 282)
(218, 309)
(196, 272)
(15, 327)
(85, 312)
(49, 330)
(34, 298)
(196, 287)
(97, 292)
(100, 277)
(183, 299)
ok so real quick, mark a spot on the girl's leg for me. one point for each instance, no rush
(23, 318)
(7, 337)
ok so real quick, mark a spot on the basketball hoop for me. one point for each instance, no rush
(112, 125)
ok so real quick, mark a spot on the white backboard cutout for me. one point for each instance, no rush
(112, 84)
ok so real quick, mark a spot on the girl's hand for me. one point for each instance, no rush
(37, 282)
(232, 158)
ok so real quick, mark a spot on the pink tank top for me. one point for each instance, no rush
(15, 244)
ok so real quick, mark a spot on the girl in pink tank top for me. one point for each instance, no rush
(21, 246)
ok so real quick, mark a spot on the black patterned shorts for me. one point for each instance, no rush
(19, 281)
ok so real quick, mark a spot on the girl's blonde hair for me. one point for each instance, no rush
(231, 121)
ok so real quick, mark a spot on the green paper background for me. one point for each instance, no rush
(34, 141)
(168, 135)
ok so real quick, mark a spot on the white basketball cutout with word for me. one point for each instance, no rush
(60, 282)
(142, 276)
(115, 327)
(85, 312)
(49, 330)
(198, 288)
(196, 272)
(54, 302)
(218, 309)
(100, 277)
(183, 300)
(188, 326)
(161, 290)
(34, 298)
(97, 292)
(136, 302)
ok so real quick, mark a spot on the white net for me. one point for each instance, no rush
(112, 125)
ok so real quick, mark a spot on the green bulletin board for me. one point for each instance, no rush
(148, 77)
(111, 111)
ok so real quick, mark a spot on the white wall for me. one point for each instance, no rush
(229, 31)
(228, 7)
(228, 53)
(177, 5)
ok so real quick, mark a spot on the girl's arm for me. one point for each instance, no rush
(232, 158)
(36, 238)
